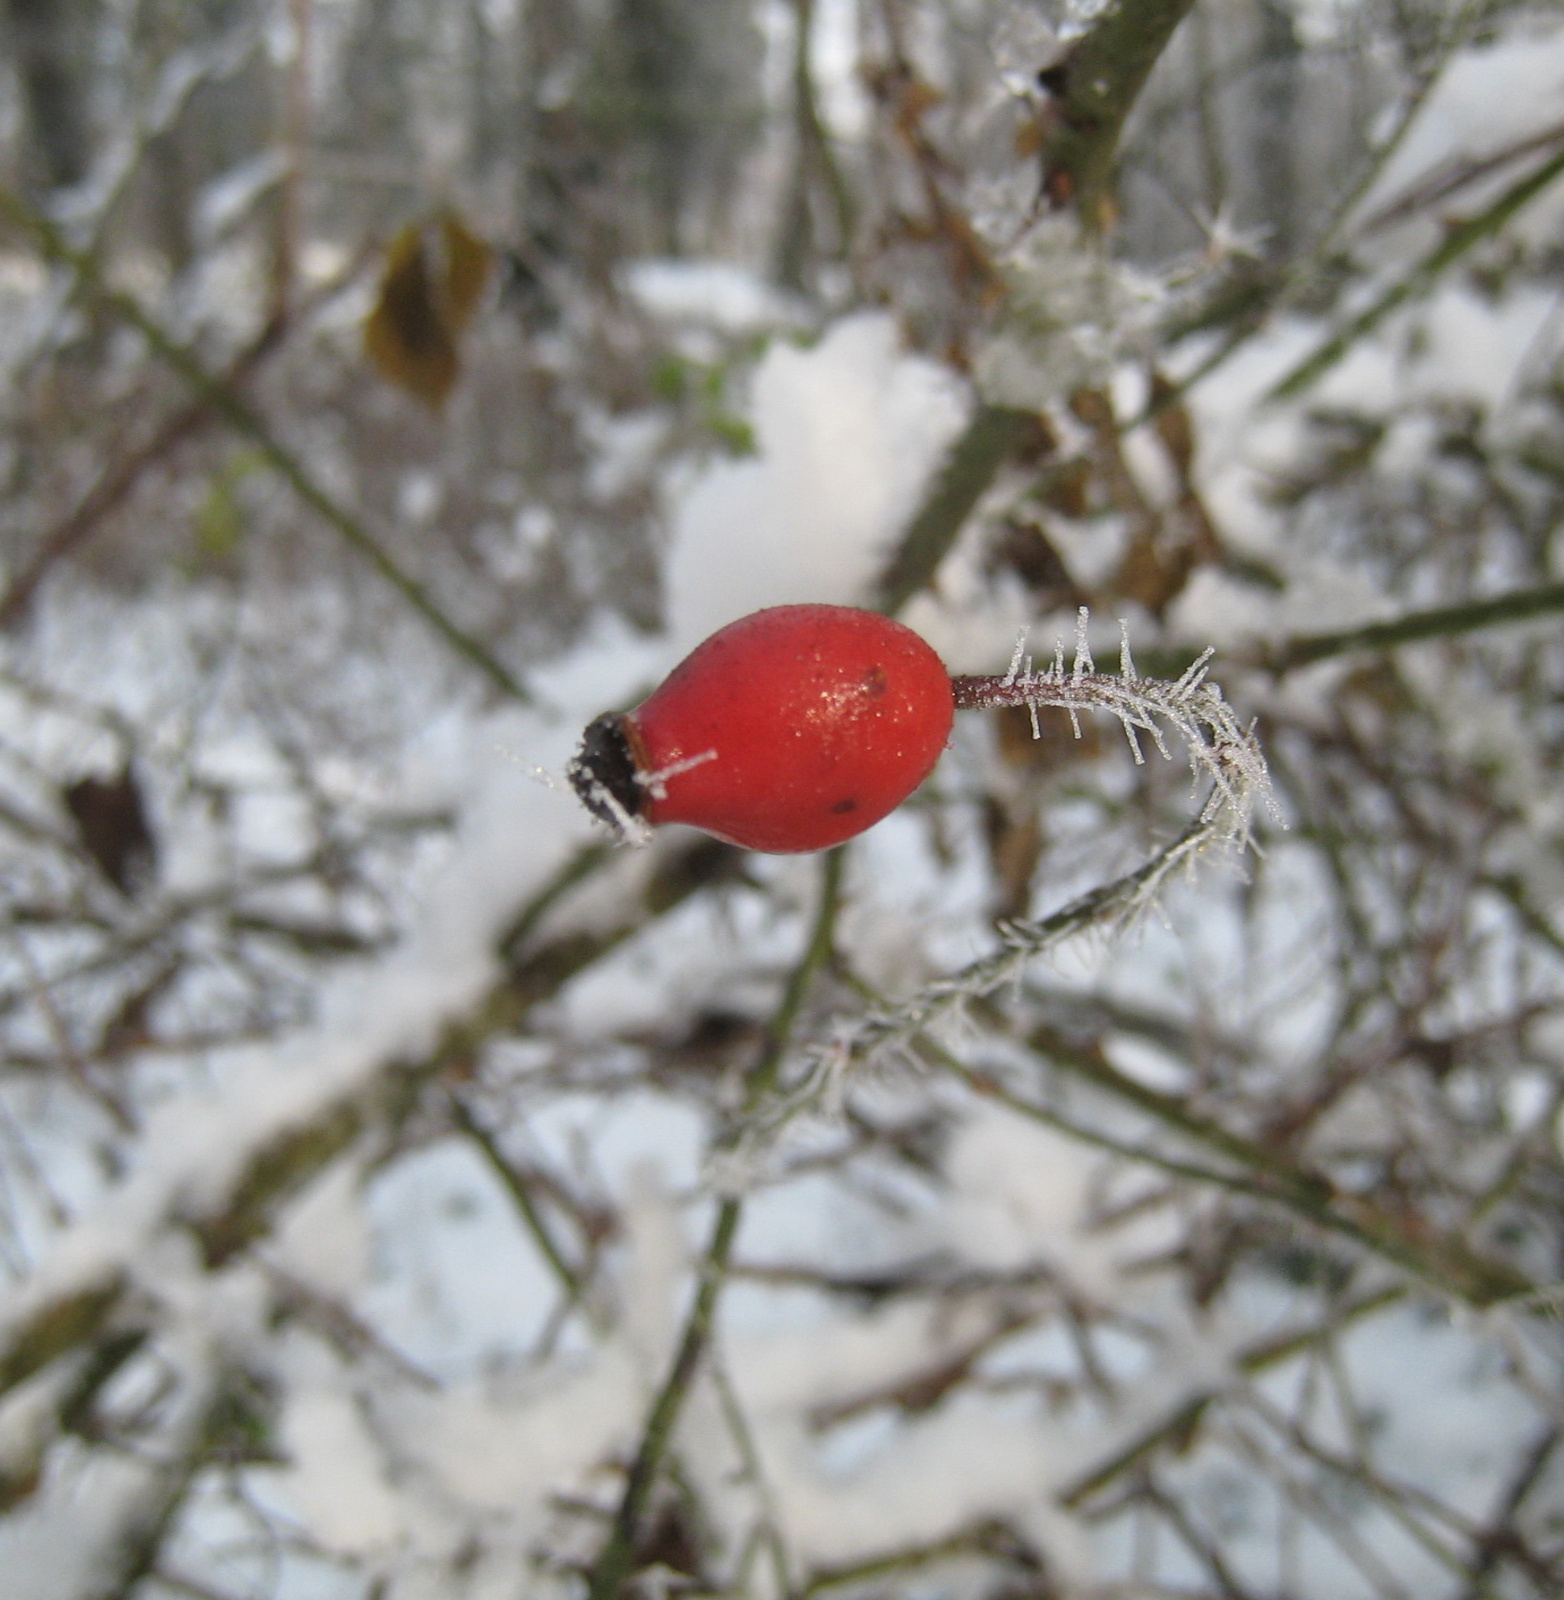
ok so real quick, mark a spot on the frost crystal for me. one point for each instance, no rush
(1071, 314)
(1025, 42)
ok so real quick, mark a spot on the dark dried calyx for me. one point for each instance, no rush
(603, 770)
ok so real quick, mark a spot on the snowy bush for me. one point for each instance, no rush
(1109, 1175)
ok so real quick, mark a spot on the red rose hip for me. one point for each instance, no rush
(791, 729)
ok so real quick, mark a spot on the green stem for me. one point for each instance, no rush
(814, 155)
(972, 465)
(244, 420)
(1520, 605)
(613, 1565)
(614, 1562)
(1095, 87)
(516, 1187)
(1456, 243)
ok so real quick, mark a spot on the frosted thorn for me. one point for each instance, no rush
(1194, 672)
(1191, 708)
(1126, 660)
(1015, 659)
(1083, 649)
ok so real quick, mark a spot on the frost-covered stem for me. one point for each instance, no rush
(1190, 705)
(613, 1564)
(1445, 1261)
(1520, 605)
(1023, 942)
(245, 420)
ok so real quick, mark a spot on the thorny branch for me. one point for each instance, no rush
(1192, 707)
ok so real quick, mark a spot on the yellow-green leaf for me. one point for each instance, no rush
(407, 336)
(433, 283)
(468, 263)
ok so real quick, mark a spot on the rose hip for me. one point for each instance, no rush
(792, 729)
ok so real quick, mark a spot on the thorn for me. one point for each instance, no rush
(1126, 660)
(1194, 672)
(1015, 659)
(1083, 649)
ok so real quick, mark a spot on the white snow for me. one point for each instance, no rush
(847, 433)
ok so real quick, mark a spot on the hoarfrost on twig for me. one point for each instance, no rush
(1191, 706)
(1123, 901)
(885, 1037)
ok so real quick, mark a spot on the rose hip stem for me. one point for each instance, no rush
(990, 691)
(981, 692)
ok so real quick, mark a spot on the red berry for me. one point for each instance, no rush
(791, 729)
